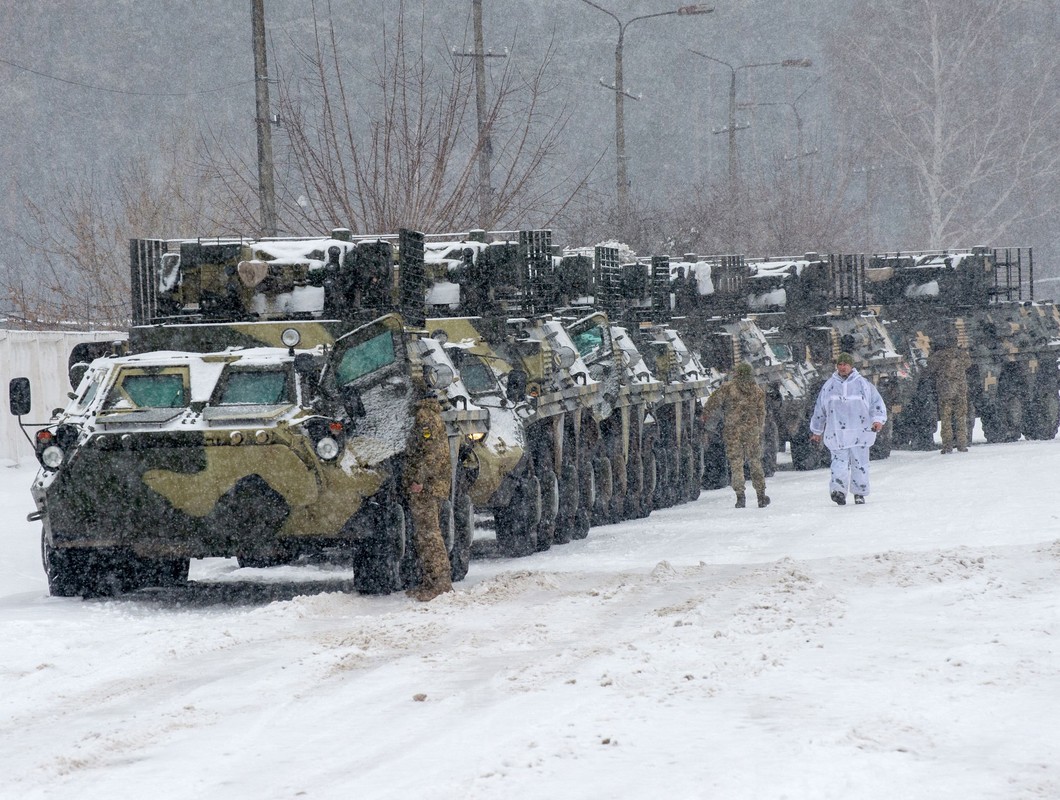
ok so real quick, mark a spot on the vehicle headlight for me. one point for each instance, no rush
(52, 457)
(327, 448)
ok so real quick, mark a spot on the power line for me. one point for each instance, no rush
(120, 91)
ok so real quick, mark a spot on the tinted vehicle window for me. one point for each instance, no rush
(149, 391)
(477, 377)
(589, 340)
(367, 357)
(254, 388)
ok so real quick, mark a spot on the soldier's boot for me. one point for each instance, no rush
(434, 584)
(763, 500)
(741, 501)
(962, 449)
(839, 498)
(946, 451)
(859, 499)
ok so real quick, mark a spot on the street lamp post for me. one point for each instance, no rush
(794, 106)
(621, 175)
(732, 126)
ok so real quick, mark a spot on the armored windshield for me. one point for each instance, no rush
(244, 387)
(478, 378)
(161, 390)
(589, 342)
(366, 357)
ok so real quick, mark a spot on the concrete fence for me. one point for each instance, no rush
(43, 357)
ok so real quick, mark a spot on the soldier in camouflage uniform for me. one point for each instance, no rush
(426, 479)
(949, 365)
(742, 402)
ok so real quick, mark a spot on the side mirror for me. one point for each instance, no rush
(305, 364)
(19, 396)
(516, 390)
(77, 372)
(308, 368)
(351, 401)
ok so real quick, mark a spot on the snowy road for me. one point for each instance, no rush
(907, 648)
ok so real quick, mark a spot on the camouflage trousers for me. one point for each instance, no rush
(430, 547)
(738, 451)
(953, 416)
(850, 468)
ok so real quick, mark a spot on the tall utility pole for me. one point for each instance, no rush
(619, 88)
(485, 143)
(266, 186)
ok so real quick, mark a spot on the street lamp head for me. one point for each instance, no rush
(796, 62)
(698, 8)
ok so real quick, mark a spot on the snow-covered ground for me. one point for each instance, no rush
(907, 648)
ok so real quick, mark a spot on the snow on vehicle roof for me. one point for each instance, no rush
(774, 269)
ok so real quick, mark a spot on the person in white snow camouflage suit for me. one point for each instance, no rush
(848, 414)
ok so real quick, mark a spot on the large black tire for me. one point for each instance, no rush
(689, 474)
(619, 478)
(770, 447)
(1003, 419)
(569, 495)
(68, 570)
(463, 537)
(805, 455)
(651, 482)
(517, 524)
(633, 506)
(663, 477)
(715, 465)
(604, 481)
(583, 519)
(1041, 417)
(377, 560)
(914, 428)
(546, 526)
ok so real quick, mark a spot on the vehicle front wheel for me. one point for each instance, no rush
(517, 524)
(377, 559)
(463, 536)
(68, 569)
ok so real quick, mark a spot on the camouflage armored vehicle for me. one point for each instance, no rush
(527, 373)
(633, 293)
(804, 309)
(265, 453)
(629, 393)
(229, 432)
(982, 299)
(491, 304)
(723, 306)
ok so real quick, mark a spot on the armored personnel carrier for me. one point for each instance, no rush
(625, 462)
(807, 310)
(491, 298)
(266, 453)
(725, 300)
(634, 295)
(247, 426)
(981, 299)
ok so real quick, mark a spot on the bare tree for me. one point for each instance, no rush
(404, 151)
(74, 252)
(938, 94)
